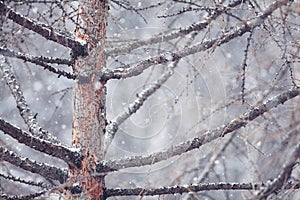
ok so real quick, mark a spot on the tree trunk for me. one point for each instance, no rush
(89, 118)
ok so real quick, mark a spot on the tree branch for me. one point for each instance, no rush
(34, 59)
(189, 188)
(44, 30)
(40, 60)
(42, 169)
(247, 26)
(32, 183)
(212, 161)
(208, 136)
(55, 150)
(22, 197)
(24, 110)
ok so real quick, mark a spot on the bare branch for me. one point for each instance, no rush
(112, 127)
(247, 26)
(282, 178)
(28, 117)
(127, 6)
(34, 59)
(58, 151)
(41, 61)
(42, 169)
(175, 34)
(244, 66)
(23, 197)
(188, 188)
(17, 179)
(44, 30)
(196, 142)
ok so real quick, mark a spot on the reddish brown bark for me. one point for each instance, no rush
(89, 99)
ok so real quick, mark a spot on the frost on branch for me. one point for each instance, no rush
(27, 115)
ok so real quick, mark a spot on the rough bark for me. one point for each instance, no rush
(89, 119)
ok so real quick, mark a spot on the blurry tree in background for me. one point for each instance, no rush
(176, 99)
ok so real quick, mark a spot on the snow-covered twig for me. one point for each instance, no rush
(34, 59)
(27, 182)
(24, 110)
(112, 127)
(23, 197)
(208, 136)
(41, 61)
(55, 150)
(42, 169)
(179, 189)
(212, 161)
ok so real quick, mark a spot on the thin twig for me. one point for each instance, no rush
(44, 30)
(42, 169)
(34, 59)
(189, 188)
(247, 26)
(22, 197)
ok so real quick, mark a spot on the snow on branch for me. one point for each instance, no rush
(34, 59)
(55, 150)
(175, 34)
(112, 127)
(277, 184)
(24, 110)
(27, 182)
(22, 197)
(233, 33)
(208, 136)
(189, 188)
(44, 30)
(42, 169)
(41, 61)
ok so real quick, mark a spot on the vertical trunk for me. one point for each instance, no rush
(89, 99)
